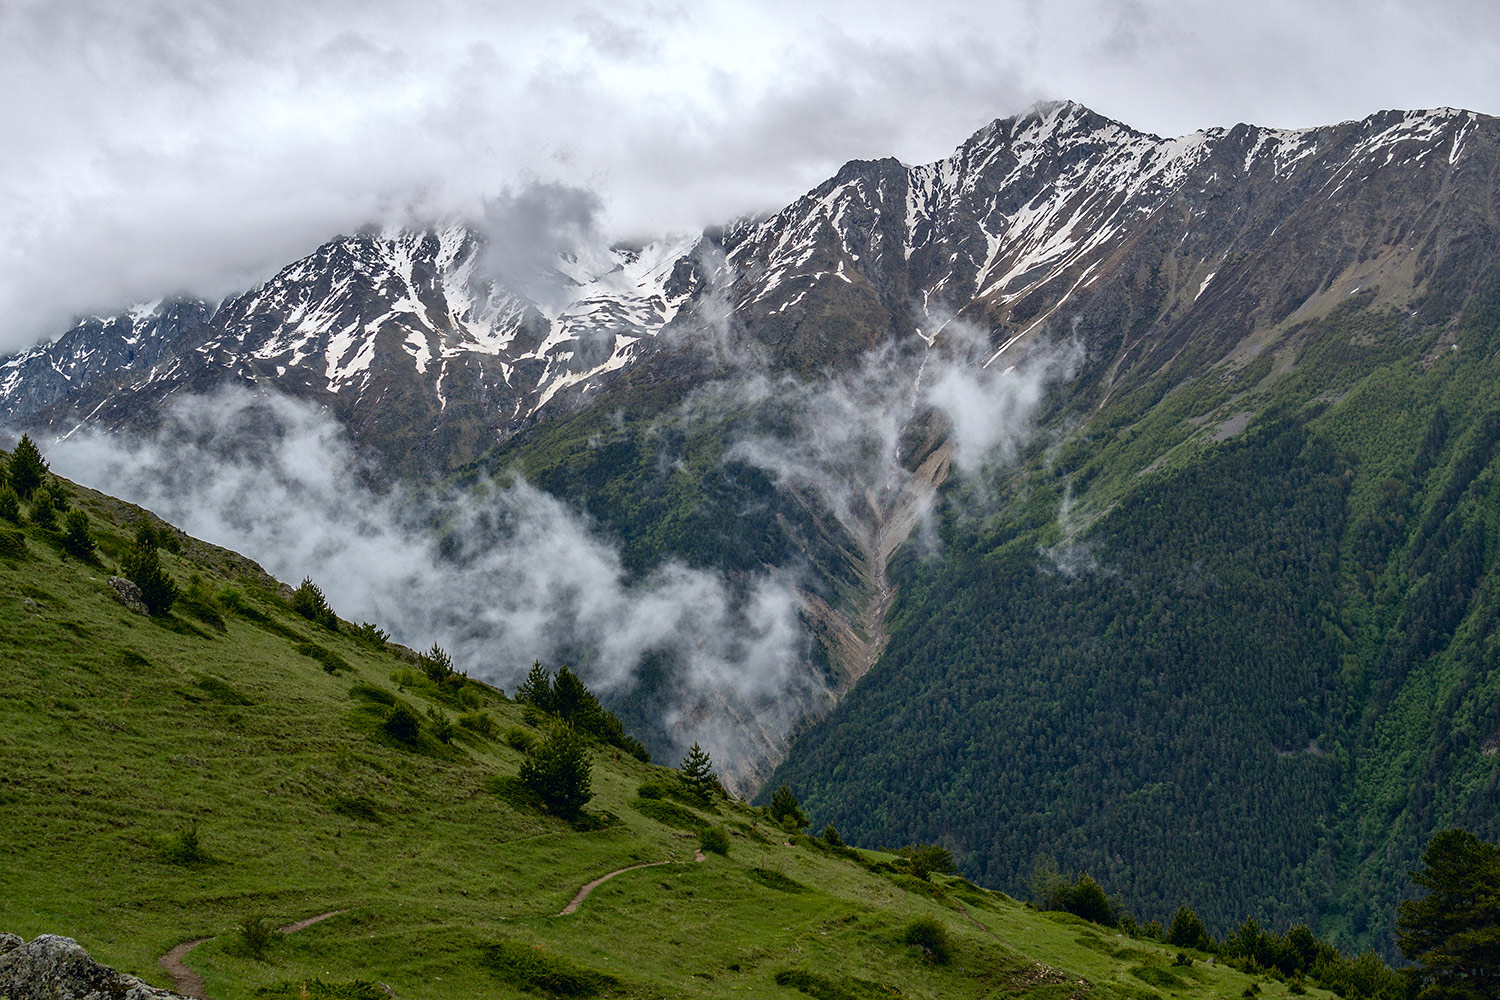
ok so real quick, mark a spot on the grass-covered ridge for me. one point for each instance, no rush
(170, 778)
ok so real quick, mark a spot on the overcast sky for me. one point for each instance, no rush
(162, 146)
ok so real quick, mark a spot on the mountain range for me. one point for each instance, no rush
(1139, 492)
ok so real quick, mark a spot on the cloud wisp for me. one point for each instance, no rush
(499, 576)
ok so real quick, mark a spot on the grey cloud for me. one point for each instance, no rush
(157, 147)
(513, 575)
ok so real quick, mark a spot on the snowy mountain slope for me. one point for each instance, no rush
(1055, 219)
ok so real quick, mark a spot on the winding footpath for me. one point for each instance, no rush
(591, 886)
(188, 983)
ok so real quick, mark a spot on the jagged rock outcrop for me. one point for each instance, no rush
(51, 967)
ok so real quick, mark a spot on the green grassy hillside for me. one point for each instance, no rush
(166, 778)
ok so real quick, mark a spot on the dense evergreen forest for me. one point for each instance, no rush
(1256, 673)
(1226, 633)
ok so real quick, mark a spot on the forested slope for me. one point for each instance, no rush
(1258, 671)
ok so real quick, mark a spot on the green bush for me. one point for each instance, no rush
(442, 727)
(714, 839)
(520, 739)
(531, 968)
(150, 534)
(479, 723)
(12, 544)
(256, 935)
(27, 468)
(924, 859)
(142, 567)
(308, 601)
(814, 985)
(316, 989)
(331, 661)
(402, 724)
(785, 809)
(10, 505)
(930, 937)
(372, 635)
(77, 539)
(650, 790)
(369, 692)
(42, 513)
(184, 848)
(558, 770)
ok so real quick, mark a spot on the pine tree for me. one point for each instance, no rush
(1187, 931)
(77, 539)
(536, 689)
(27, 468)
(10, 505)
(559, 771)
(697, 770)
(1452, 933)
(785, 809)
(308, 601)
(142, 567)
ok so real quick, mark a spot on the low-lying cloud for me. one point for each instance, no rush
(499, 576)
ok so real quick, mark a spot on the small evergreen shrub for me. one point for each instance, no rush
(714, 839)
(10, 505)
(77, 539)
(184, 848)
(402, 724)
(697, 771)
(1183, 959)
(142, 567)
(256, 935)
(308, 601)
(650, 790)
(150, 534)
(372, 635)
(930, 937)
(785, 809)
(42, 513)
(442, 727)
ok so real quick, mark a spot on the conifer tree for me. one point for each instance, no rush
(559, 771)
(142, 567)
(536, 689)
(1452, 933)
(697, 770)
(27, 468)
(77, 539)
(785, 809)
(10, 504)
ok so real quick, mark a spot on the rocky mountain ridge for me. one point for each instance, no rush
(1054, 220)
